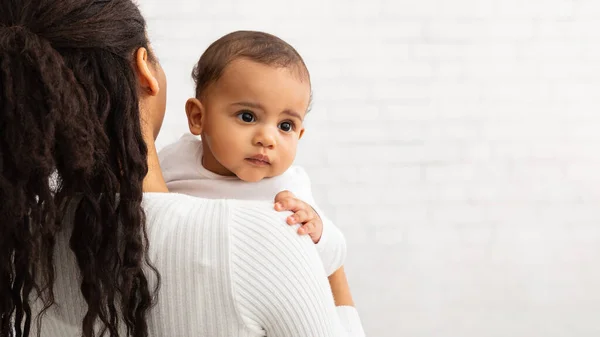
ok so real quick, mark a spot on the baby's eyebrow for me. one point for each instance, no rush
(292, 113)
(250, 105)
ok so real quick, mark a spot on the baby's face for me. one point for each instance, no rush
(253, 119)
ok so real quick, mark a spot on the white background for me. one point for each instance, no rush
(456, 143)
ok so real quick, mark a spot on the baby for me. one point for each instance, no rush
(252, 93)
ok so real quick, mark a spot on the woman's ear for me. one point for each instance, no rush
(146, 78)
(195, 114)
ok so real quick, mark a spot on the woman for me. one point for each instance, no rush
(87, 232)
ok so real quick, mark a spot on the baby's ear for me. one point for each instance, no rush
(301, 133)
(195, 113)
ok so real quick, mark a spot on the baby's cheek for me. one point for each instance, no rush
(280, 167)
(288, 157)
(228, 155)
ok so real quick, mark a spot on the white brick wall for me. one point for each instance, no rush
(456, 143)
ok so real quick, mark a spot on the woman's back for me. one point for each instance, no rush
(228, 268)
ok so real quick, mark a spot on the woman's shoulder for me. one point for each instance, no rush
(175, 207)
(179, 213)
(159, 201)
(234, 250)
(260, 216)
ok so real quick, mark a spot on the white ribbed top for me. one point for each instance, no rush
(229, 268)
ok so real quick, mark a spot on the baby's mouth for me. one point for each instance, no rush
(259, 159)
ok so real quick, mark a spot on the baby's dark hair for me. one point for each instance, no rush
(256, 46)
(70, 138)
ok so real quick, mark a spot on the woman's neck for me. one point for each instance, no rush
(154, 180)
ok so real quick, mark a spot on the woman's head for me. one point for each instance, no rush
(79, 92)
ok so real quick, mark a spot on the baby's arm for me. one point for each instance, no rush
(332, 254)
(344, 303)
(331, 244)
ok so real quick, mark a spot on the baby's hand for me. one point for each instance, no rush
(303, 214)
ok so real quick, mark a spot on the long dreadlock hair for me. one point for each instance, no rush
(70, 126)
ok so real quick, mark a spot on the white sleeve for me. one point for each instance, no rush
(279, 283)
(332, 245)
(350, 321)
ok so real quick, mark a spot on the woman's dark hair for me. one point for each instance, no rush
(70, 130)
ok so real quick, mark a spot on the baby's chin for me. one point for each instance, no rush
(251, 177)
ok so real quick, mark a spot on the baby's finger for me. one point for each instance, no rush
(284, 195)
(289, 204)
(300, 216)
(307, 228)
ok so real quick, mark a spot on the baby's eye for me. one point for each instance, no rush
(246, 116)
(286, 126)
